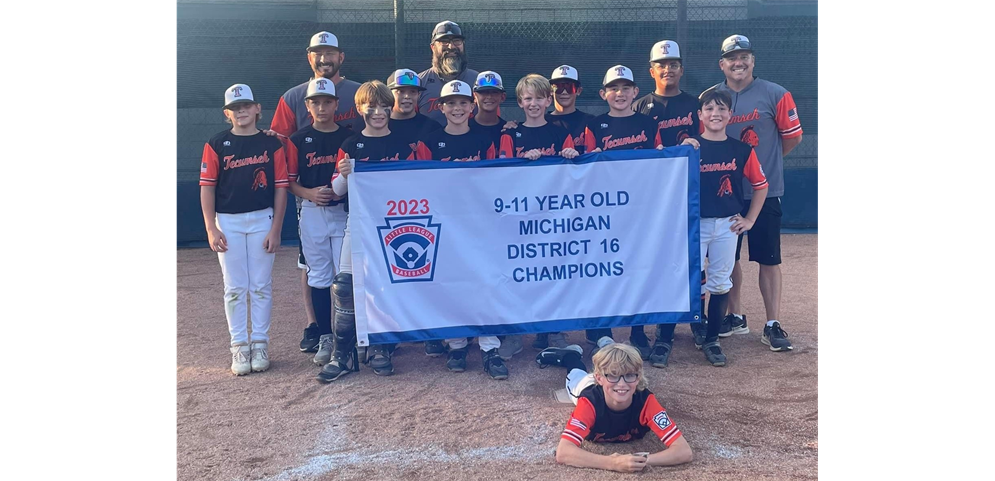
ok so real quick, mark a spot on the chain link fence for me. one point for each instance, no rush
(262, 43)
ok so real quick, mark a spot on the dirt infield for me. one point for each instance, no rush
(755, 419)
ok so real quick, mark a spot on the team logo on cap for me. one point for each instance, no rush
(410, 245)
(455, 87)
(321, 84)
(323, 38)
(620, 71)
(665, 47)
(237, 91)
(564, 70)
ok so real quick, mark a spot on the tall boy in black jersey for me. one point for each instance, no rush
(323, 214)
(488, 91)
(566, 89)
(405, 120)
(536, 137)
(674, 110)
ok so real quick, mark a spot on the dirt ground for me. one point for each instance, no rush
(756, 418)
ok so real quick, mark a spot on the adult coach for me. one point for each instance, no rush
(449, 62)
(325, 58)
(763, 115)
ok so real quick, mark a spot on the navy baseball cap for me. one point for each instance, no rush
(446, 28)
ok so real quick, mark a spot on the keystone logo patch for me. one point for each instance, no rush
(409, 245)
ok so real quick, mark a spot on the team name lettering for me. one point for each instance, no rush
(351, 114)
(434, 104)
(611, 143)
(256, 159)
(719, 167)
(755, 115)
(551, 150)
(313, 160)
(676, 122)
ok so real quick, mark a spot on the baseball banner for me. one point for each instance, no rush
(510, 246)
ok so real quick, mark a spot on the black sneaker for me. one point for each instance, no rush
(661, 354)
(733, 325)
(434, 348)
(457, 360)
(553, 356)
(713, 353)
(541, 341)
(699, 331)
(309, 342)
(639, 341)
(776, 338)
(493, 365)
(379, 360)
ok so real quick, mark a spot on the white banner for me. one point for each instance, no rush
(447, 249)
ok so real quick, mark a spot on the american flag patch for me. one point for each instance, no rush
(574, 422)
(203, 167)
(793, 114)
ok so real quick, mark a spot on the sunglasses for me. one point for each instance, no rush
(565, 87)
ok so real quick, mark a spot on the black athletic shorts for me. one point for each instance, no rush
(765, 236)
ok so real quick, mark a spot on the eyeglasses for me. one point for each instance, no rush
(455, 42)
(565, 88)
(370, 110)
(630, 377)
(667, 66)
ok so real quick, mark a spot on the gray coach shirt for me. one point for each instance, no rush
(428, 103)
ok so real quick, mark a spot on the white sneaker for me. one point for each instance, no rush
(260, 357)
(240, 365)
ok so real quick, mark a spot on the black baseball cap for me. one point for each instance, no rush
(446, 28)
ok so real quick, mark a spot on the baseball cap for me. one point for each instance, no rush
(319, 87)
(403, 77)
(665, 50)
(446, 28)
(238, 94)
(455, 88)
(734, 43)
(488, 80)
(618, 72)
(564, 72)
(324, 39)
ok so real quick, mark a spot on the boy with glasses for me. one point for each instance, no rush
(613, 406)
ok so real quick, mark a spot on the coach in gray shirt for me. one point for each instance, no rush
(448, 63)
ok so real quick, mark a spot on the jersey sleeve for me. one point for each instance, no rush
(507, 148)
(209, 166)
(280, 168)
(292, 160)
(284, 121)
(422, 152)
(589, 143)
(655, 417)
(788, 124)
(657, 139)
(580, 422)
(568, 142)
(754, 172)
(491, 152)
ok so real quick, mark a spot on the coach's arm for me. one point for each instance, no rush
(788, 144)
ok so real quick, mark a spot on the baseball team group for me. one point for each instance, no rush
(742, 128)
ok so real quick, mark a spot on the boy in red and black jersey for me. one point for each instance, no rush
(536, 137)
(620, 127)
(456, 141)
(488, 91)
(566, 89)
(674, 110)
(405, 121)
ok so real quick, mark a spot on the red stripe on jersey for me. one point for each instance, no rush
(791, 133)
(568, 143)
(655, 417)
(291, 149)
(491, 152)
(754, 172)
(589, 142)
(281, 180)
(786, 117)
(422, 152)
(507, 148)
(573, 438)
(209, 166)
(658, 141)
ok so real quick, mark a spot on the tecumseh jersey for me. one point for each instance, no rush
(575, 123)
(676, 117)
(592, 420)
(724, 165)
(314, 157)
(414, 129)
(636, 131)
(441, 145)
(549, 139)
(246, 170)
(291, 113)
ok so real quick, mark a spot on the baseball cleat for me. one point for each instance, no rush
(713, 353)
(240, 364)
(259, 357)
(661, 354)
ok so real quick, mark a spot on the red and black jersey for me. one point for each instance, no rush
(246, 170)
(723, 166)
(549, 138)
(592, 420)
(676, 117)
(441, 145)
(375, 149)
(575, 123)
(312, 157)
(636, 131)
(492, 131)
(414, 129)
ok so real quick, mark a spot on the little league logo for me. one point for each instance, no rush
(409, 247)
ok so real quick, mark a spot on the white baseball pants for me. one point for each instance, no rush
(247, 270)
(718, 242)
(322, 234)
